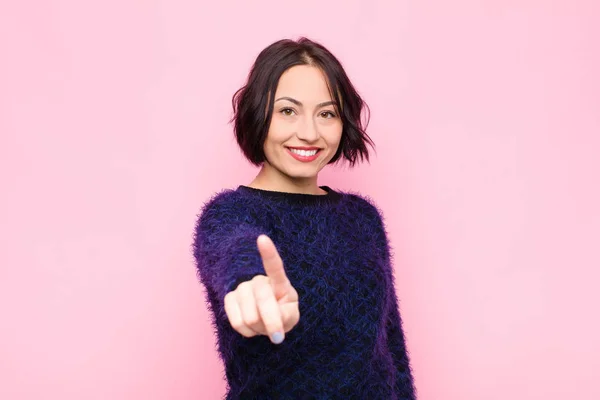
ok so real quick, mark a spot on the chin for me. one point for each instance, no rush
(302, 176)
(295, 174)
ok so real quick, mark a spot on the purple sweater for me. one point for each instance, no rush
(349, 342)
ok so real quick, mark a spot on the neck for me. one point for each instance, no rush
(270, 178)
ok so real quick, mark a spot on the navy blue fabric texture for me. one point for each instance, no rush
(349, 342)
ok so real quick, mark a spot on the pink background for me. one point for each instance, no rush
(113, 123)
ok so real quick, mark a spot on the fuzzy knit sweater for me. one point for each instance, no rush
(349, 342)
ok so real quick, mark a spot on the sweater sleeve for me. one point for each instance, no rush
(225, 247)
(405, 387)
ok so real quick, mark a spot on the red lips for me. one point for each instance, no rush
(304, 158)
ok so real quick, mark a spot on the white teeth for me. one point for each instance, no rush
(304, 153)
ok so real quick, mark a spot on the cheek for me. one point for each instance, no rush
(275, 137)
(332, 134)
(278, 131)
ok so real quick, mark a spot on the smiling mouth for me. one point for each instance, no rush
(305, 156)
(304, 153)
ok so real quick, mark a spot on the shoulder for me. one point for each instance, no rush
(222, 205)
(222, 198)
(371, 220)
(363, 204)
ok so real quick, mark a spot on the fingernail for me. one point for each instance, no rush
(277, 337)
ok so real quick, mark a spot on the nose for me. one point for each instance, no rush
(307, 130)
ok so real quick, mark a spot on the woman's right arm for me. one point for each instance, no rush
(225, 248)
(248, 286)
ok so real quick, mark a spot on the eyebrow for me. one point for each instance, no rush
(299, 104)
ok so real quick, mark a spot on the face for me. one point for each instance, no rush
(306, 128)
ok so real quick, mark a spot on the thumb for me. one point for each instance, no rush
(273, 266)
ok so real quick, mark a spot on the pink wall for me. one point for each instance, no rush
(113, 123)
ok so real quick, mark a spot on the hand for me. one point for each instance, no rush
(264, 305)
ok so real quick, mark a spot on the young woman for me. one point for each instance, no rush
(298, 276)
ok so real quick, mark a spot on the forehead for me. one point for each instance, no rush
(304, 83)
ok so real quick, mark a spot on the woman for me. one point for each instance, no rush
(298, 276)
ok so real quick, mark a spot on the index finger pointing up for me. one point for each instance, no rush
(273, 265)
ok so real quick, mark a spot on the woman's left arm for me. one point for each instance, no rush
(405, 387)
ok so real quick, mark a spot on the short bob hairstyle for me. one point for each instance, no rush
(253, 103)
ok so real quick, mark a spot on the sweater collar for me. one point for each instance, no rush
(301, 198)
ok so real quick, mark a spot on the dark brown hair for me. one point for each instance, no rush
(251, 122)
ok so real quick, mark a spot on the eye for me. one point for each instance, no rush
(327, 114)
(287, 111)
